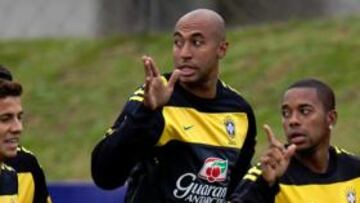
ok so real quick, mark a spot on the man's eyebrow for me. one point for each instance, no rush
(197, 34)
(283, 106)
(301, 105)
(177, 34)
(305, 105)
(6, 114)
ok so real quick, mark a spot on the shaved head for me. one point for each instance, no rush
(211, 18)
(199, 44)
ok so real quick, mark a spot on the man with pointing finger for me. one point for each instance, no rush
(308, 168)
(185, 136)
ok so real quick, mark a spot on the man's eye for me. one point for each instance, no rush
(5, 119)
(305, 111)
(197, 42)
(21, 117)
(285, 113)
(177, 43)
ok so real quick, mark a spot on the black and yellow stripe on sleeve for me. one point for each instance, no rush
(8, 185)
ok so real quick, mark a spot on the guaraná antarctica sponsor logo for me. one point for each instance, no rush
(213, 170)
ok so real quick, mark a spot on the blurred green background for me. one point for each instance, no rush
(75, 88)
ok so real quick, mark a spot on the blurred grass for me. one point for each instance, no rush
(75, 88)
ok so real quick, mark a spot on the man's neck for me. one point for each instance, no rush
(317, 160)
(205, 90)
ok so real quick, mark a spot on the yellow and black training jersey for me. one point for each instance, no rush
(8, 184)
(31, 178)
(186, 151)
(340, 183)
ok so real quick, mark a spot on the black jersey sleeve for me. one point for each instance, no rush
(254, 189)
(41, 192)
(246, 153)
(8, 181)
(128, 141)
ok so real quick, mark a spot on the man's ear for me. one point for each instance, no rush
(223, 47)
(331, 118)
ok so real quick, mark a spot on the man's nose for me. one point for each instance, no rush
(185, 51)
(16, 126)
(294, 119)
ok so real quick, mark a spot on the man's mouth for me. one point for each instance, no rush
(186, 70)
(296, 138)
(11, 143)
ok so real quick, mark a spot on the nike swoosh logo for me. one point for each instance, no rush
(188, 127)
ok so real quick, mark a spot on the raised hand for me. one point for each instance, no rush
(157, 92)
(276, 158)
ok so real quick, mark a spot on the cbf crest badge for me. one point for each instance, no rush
(230, 127)
(351, 195)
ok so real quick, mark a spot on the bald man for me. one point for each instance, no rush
(184, 136)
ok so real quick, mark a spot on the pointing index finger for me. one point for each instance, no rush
(272, 139)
